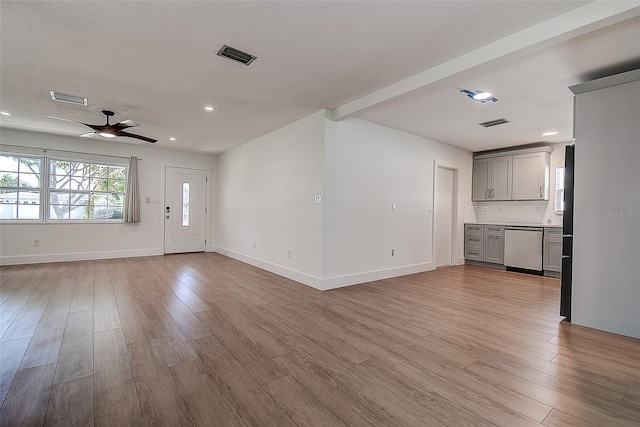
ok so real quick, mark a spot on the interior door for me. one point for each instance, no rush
(185, 210)
(444, 216)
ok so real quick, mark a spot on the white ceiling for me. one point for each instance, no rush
(154, 62)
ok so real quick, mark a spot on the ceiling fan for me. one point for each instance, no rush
(110, 130)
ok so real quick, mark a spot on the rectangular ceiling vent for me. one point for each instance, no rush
(237, 55)
(495, 122)
(65, 97)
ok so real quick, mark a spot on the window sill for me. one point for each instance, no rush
(67, 222)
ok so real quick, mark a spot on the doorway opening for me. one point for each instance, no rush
(445, 216)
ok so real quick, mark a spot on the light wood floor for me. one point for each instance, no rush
(202, 339)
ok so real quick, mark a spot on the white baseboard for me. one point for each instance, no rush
(370, 276)
(331, 282)
(77, 256)
(305, 279)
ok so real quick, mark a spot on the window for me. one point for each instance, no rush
(185, 204)
(559, 207)
(79, 190)
(20, 187)
(49, 189)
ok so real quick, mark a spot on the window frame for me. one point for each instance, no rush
(46, 190)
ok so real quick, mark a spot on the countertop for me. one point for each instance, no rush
(518, 224)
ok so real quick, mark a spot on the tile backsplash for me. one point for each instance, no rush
(534, 212)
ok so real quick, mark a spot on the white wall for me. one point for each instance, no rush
(606, 251)
(368, 167)
(266, 189)
(265, 195)
(73, 241)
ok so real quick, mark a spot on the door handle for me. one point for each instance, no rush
(493, 192)
(488, 190)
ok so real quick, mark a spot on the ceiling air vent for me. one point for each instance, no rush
(495, 122)
(237, 55)
(65, 97)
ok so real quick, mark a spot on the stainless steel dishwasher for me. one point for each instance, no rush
(523, 247)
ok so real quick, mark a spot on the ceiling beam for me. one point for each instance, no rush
(577, 22)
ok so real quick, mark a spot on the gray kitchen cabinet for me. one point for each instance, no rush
(493, 244)
(473, 242)
(552, 251)
(492, 178)
(531, 176)
(484, 243)
(512, 175)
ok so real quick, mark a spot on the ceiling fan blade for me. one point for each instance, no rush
(88, 135)
(131, 135)
(62, 118)
(70, 120)
(126, 124)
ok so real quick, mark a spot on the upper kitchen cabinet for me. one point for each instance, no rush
(531, 176)
(492, 178)
(512, 175)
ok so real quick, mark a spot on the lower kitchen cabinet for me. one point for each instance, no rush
(473, 242)
(552, 252)
(493, 248)
(484, 243)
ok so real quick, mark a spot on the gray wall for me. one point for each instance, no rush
(606, 263)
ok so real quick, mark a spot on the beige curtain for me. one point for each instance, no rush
(132, 203)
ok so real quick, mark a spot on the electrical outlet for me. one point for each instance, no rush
(393, 207)
(36, 242)
(393, 252)
(288, 253)
(253, 245)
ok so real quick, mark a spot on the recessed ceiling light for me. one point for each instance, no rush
(208, 108)
(551, 133)
(172, 139)
(107, 135)
(5, 113)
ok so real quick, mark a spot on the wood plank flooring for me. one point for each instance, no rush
(201, 339)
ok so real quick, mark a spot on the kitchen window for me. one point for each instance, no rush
(58, 189)
(559, 205)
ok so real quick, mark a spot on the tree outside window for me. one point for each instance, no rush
(80, 190)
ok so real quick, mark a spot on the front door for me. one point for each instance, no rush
(185, 199)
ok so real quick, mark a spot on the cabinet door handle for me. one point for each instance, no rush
(541, 191)
(487, 191)
(493, 191)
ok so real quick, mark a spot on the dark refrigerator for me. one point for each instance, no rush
(567, 234)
